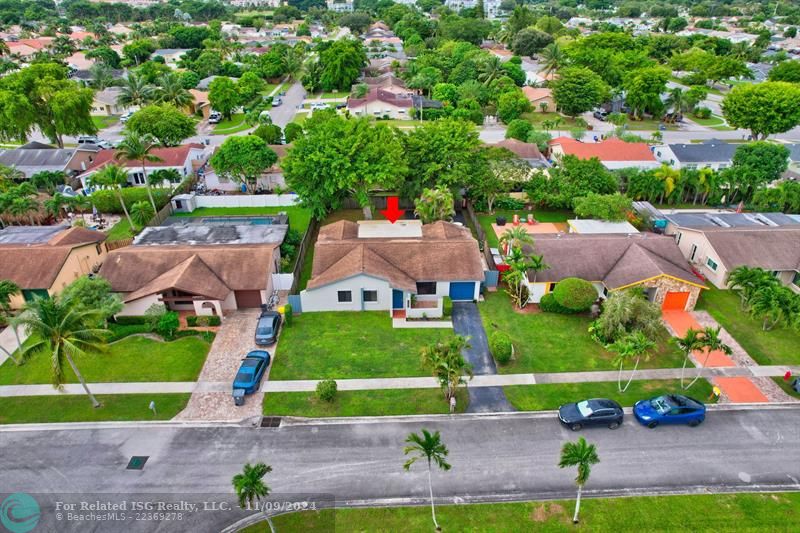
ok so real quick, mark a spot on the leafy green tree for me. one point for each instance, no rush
(519, 129)
(250, 487)
(341, 64)
(48, 180)
(572, 179)
(138, 51)
(223, 96)
(139, 148)
(643, 90)
(62, 333)
(582, 455)
(113, 177)
(763, 108)
(626, 312)
(165, 123)
(614, 207)
(504, 171)
(434, 204)
(757, 164)
(292, 131)
(511, 105)
(553, 58)
(578, 90)
(250, 86)
(93, 294)
(788, 71)
(243, 159)
(429, 447)
(338, 157)
(106, 55)
(529, 41)
(270, 133)
(41, 97)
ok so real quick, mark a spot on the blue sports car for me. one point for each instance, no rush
(251, 371)
(669, 409)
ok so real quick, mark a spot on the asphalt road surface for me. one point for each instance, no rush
(494, 458)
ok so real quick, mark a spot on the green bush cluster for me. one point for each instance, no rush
(287, 314)
(548, 304)
(203, 321)
(447, 307)
(168, 324)
(326, 390)
(106, 200)
(131, 320)
(575, 293)
(500, 344)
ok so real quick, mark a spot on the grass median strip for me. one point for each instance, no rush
(549, 396)
(700, 513)
(78, 408)
(391, 402)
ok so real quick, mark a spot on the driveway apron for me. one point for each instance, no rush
(467, 323)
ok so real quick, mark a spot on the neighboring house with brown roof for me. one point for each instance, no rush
(382, 103)
(200, 103)
(613, 153)
(616, 262)
(715, 251)
(406, 268)
(206, 269)
(388, 82)
(528, 152)
(541, 98)
(184, 159)
(35, 159)
(105, 102)
(43, 260)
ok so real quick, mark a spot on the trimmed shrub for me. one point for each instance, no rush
(287, 314)
(548, 304)
(500, 344)
(575, 294)
(447, 307)
(203, 321)
(131, 320)
(326, 390)
(168, 324)
(702, 112)
(106, 200)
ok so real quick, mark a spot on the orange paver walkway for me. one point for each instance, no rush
(680, 322)
(740, 390)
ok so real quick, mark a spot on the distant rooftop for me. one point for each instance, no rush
(199, 234)
(589, 226)
(371, 229)
(29, 234)
(732, 220)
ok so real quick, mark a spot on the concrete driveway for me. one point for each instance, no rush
(467, 323)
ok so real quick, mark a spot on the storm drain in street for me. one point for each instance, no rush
(137, 462)
(270, 421)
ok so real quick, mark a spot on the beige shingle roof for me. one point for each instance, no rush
(768, 248)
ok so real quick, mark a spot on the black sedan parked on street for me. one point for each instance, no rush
(594, 412)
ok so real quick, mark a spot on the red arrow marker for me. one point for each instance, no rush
(392, 211)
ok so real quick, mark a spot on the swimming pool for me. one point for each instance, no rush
(261, 220)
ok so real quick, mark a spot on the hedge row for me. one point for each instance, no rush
(106, 200)
(203, 321)
(548, 304)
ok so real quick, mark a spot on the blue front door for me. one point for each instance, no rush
(462, 290)
(397, 299)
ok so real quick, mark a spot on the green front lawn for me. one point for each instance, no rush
(300, 117)
(647, 124)
(541, 215)
(131, 359)
(78, 408)
(698, 513)
(233, 125)
(350, 344)
(331, 94)
(122, 230)
(391, 402)
(102, 122)
(536, 117)
(551, 342)
(549, 396)
(779, 346)
(787, 386)
(299, 218)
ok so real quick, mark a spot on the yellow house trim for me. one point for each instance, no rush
(656, 277)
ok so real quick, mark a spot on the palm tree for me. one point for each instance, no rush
(7, 290)
(113, 177)
(250, 487)
(293, 64)
(748, 281)
(668, 176)
(489, 69)
(516, 237)
(690, 342)
(23, 206)
(55, 204)
(766, 304)
(583, 455)
(62, 332)
(537, 264)
(632, 346)
(676, 100)
(4, 49)
(102, 76)
(170, 90)
(136, 147)
(429, 447)
(135, 92)
(553, 58)
(447, 362)
(710, 342)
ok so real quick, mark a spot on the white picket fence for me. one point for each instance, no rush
(282, 282)
(248, 200)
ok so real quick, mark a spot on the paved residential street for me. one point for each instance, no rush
(494, 458)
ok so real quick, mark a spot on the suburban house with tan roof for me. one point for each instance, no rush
(541, 98)
(382, 103)
(184, 159)
(43, 260)
(405, 268)
(715, 250)
(613, 153)
(205, 269)
(105, 102)
(528, 152)
(613, 262)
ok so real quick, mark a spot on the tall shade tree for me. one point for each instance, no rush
(167, 124)
(427, 446)
(578, 89)
(7, 290)
(243, 159)
(223, 96)
(62, 333)
(137, 147)
(582, 455)
(41, 96)
(341, 64)
(250, 487)
(763, 108)
(113, 177)
(135, 91)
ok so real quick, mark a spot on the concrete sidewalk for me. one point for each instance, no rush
(495, 380)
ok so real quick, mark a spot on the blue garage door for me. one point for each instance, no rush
(462, 290)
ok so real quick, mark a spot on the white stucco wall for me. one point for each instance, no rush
(326, 298)
(138, 307)
(686, 239)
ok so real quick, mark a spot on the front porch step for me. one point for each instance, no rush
(399, 313)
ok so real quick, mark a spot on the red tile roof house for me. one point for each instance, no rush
(379, 103)
(541, 98)
(613, 153)
(184, 159)
(404, 268)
